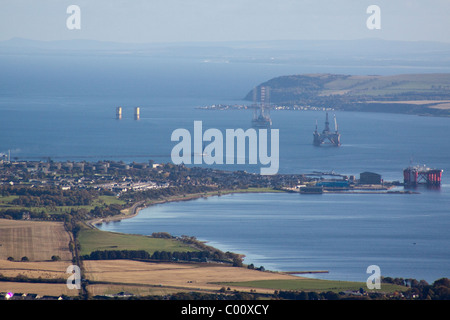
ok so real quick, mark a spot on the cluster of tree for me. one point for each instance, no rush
(24, 278)
(439, 290)
(302, 295)
(217, 255)
(162, 235)
(106, 211)
(17, 214)
(252, 267)
(404, 282)
(191, 296)
(23, 190)
(48, 196)
(331, 295)
(117, 254)
(73, 226)
(23, 259)
(417, 290)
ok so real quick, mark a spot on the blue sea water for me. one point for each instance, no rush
(64, 108)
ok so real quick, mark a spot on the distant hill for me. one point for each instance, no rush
(404, 93)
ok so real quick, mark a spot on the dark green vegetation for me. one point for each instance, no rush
(52, 202)
(409, 93)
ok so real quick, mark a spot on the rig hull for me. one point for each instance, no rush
(327, 136)
(414, 176)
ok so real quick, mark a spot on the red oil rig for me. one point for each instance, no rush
(415, 175)
(327, 136)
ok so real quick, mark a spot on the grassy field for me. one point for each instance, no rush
(93, 239)
(287, 89)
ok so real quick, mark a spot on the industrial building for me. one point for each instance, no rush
(370, 178)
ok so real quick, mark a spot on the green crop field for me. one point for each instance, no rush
(93, 239)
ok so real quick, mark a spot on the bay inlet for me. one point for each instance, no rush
(340, 233)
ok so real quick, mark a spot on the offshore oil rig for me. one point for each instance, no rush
(262, 118)
(415, 175)
(137, 113)
(327, 136)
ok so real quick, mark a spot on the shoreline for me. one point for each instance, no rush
(143, 204)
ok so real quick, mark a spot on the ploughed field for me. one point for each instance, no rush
(36, 240)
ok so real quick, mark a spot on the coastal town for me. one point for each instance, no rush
(118, 177)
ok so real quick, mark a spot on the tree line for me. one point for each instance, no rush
(201, 256)
(48, 196)
(439, 290)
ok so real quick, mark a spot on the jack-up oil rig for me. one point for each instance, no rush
(327, 137)
(415, 175)
(262, 118)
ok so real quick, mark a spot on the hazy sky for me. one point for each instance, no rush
(224, 20)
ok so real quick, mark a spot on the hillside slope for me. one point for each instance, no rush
(406, 93)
